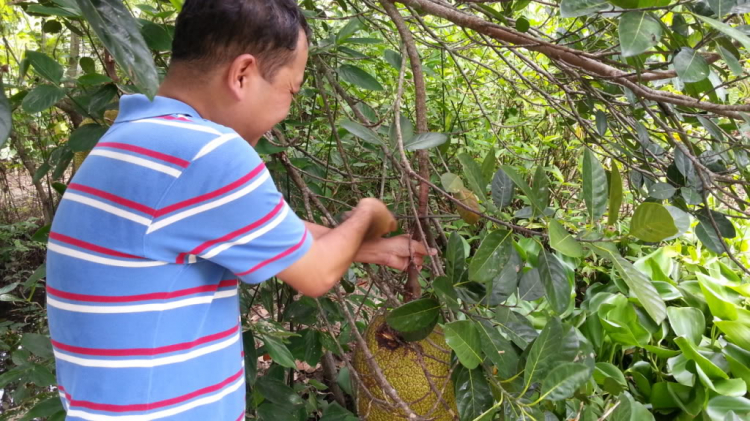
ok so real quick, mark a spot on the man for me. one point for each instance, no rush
(172, 207)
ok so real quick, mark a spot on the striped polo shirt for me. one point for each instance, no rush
(163, 218)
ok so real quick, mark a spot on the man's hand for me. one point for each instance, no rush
(382, 221)
(394, 252)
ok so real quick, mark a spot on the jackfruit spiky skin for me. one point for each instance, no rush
(400, 363)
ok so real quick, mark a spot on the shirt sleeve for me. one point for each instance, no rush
(226, 209)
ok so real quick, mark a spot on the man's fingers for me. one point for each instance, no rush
(419, 248)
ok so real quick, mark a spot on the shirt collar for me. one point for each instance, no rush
(137, 107)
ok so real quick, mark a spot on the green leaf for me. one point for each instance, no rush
(688, 322)
(414, 315)
(522, 24)
(615, 195)
(120, 34)
(50, 11)
(519, 181)
(661, 191)
(721, 7)
(716, 298)
(732, 62)
(726, 228)
(727, 30)
(445, 291)
(540, 184)
(505, 284)
(407, 130)
(638, 283)
(576, 8)
(601, 123)
(463, 338)
(359, 77)
(88, 65)
(563, 380)
(639, 31)
(690, 352)
(562, 241)
(719, 406)
(556, 285)
(6, 120)
(37, 344)
(493, 254)
(156, 36)
(516, 327)
(691, 67)
(498, 350)
(393, 58)
(41, 98)
(91, 79)
(251, 357)
(652, 223)
(610, 378)
(473, 394)
(425, 141)
(85, 137)
(279, 352)
(353, 26)
(44, 409)
(502, 189)
(594, 186)
(473, 174)
(47, 67)
(543, 354)
(737, 332)
(707, 234)
(276, 391)
(739, 360)
(335, 412)
(362, 132)
(530, 286)
(455, 258)
(451, 183)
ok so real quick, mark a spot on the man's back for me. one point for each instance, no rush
(144, 255)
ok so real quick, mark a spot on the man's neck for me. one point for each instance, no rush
(191, 93)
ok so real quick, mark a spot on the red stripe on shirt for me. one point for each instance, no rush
(153, 405)
(132, 352)
(170, 117)
(242, 416)
(143, 151)
(89, 246)
(264, 263)
(205, 246)
(213, 194)
(140, 297)
(112, 198)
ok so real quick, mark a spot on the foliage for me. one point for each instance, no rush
(539, 122)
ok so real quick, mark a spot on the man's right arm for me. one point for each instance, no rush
(331, 254)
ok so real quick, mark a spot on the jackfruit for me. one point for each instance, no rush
(404, 365)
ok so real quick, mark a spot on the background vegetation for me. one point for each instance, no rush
(582, 166)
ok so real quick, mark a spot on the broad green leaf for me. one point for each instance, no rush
(521, 183)
(91, 79)
(691, 67)
(335, 412)
(737, 332)
(44, 409)
(615, 195)
(473, 174)
(576, 8)
(739, 360)
(85, 137)
(502, 189)
(562, 241)
(41, 98)
(6, 121)
(120, 34)
(732, 62)
(712, 128)
(594, 186)
(451, 183)
(661, 191)
(505, 284)
(601, 122)
(563, 380)
(540, 184)
(498, 350)
(716, 298)
(688, 322)
(727, 30)
(726, 228)
(251, 357)
(463, 338)
(491, 257)
(407, 130)
(45, 66)
(268, 411)
(721, 7)
(425, 141)
(393, 58)
(690, 352)
(279, 352)
(354, 25)
(51, 11)
(156, 36)
(553, 276)
(414, 315)
(610, 378)
(530, 286)
(488, 164)
(707, 234)
(278, 392)
(455, 258)
(638, 283)
(88, 65)
(362, 132)
(719, 406)
(652, 223)
(37, 344)
(473, 394)
(359, 77)
(544, 352)
(445, 291)
(681, 221)
(639, 31)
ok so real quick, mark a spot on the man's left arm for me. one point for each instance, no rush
(394, 252)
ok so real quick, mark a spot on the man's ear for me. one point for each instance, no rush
(242, 71)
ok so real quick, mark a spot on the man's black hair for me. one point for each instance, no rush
(212, 32)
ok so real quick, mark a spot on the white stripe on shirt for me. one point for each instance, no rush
(188, 126)
(148, 362)
(210, 205)
(140, 308)
(137, 161)
(106, 208)
(103, 260)
(253, 235)
(159, 414)
(215, 144)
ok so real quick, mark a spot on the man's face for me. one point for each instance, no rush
(267, 102)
